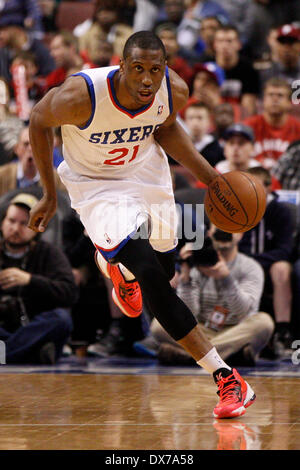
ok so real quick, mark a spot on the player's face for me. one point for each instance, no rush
(143, 72)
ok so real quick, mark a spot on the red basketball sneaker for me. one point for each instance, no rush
(234, 392)
(126, 294)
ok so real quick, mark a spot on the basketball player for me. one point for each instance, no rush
(117, 123)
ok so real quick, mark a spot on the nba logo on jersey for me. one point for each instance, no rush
(160, 109)
(108, 240)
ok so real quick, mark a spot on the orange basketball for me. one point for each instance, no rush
(235, 201)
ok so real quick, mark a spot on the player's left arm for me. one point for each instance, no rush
(176, 142)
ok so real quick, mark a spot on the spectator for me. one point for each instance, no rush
(264, 15)
(208, 78)
(238, 149)
(64, 50)
(127, 11)
(238, 11)
(271, 54)
(275, 128)
(14, 39)
(241, 83)
(146, 14)
(23, 173)
(223, 116)
(33, 87)
(286, 65)
(206, 88)
(208, 27)
(238, 152)
(9, 125)
(34, 327)
(199, 124)
(271, 244)
(287, 167)
(189, 28)
(24, 13)
(222, 287)
(167, 33)
(49, 10)
(171, 11)
(106, 25)
(100, 53)
(91, 311)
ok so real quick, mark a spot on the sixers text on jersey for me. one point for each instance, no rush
(119, 136)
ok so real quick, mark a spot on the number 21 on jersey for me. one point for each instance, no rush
(122, 153)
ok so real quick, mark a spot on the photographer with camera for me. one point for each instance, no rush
(222, 287)
(36, 289)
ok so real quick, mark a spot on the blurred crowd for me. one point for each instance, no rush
(241, 62)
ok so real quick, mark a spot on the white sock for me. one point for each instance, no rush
(212, 362)
(128, 276)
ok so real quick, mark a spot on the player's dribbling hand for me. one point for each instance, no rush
(41, 214)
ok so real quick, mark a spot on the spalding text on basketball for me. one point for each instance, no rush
(225, 203)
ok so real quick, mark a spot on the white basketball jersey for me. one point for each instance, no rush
(115, 140)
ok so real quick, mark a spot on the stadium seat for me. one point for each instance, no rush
(70, 14)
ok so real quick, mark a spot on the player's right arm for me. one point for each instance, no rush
(68, 104)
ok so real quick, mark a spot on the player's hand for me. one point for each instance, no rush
(14, 277)
(41, 214)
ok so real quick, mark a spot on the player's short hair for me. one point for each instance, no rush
(262, 173)
(143, 40)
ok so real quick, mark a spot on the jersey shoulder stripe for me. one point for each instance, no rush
(170, 99)
(92, 96)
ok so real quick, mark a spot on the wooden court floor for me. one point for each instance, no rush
(118, 412)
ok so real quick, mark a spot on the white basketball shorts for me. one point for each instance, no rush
(112, 210)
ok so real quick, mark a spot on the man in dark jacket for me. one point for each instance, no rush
(36, 289)
(271, 244)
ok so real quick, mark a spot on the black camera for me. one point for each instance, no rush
(207, 256)
(221, 236)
